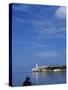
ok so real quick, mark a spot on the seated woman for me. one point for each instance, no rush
(27, 82)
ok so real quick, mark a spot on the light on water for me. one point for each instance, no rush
(39, 78)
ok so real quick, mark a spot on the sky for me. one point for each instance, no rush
(38, 36)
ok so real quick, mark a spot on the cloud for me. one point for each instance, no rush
(61, 13)
(48, 29)
(22, 8)
(47, 54)
(50, 54)
(38, 45)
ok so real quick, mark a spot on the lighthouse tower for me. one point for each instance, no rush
(36, 66)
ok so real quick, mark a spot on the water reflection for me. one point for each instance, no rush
(39, 78)
(35, 77)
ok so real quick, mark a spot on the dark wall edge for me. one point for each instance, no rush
(10, 44)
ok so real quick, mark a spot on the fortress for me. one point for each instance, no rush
(49, 68)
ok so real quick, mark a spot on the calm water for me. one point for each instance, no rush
(43, 78)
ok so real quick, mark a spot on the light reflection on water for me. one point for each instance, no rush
(36, 76)
(39, 78)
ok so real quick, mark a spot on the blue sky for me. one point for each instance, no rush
(38, 35)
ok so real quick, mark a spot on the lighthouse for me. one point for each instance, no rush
(36, 66)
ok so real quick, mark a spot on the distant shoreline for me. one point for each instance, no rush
(49, 68)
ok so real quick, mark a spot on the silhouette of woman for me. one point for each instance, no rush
(27, 82)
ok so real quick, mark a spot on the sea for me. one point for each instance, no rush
(39, 78)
